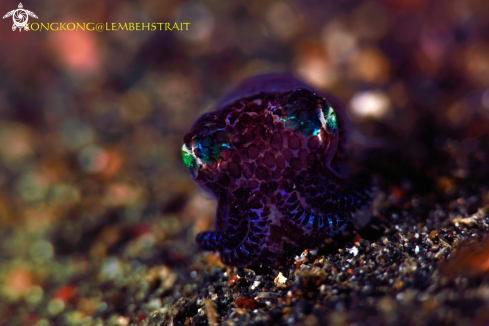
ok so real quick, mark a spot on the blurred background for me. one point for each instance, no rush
(91, 180)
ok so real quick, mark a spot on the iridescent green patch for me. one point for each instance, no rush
(190, 161)
(187, 157)
(328, 119)
(331, 120)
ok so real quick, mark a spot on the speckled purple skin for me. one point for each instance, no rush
(270, 155)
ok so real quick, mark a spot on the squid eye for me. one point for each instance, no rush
(328, 119)
(190, 161)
